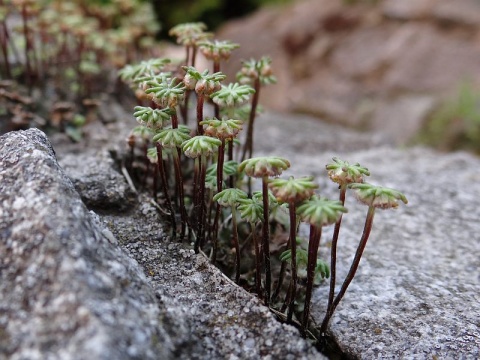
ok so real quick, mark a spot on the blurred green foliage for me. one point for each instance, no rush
(455, 124)
(211, 12)
(54, 52)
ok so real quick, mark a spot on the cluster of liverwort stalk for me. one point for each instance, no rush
(216, 179)
(58, 59)
(72, 42)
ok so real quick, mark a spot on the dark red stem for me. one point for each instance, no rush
(4, 43)
(258, 261)
(184, 107)
(174, 119)
(281, 277)
(200, 100)
(216, 107)
(353, 268)
(194, 55)
(28, 73)
(313, 244)
(266, 241)
(155, 182)
(220, 162)
(231, 178)
(180, 190)
(236, 245)
(199, 209)
(293, 264)
(248, 148)
(187, 55)
(196, 174)
(333, 253)
(163, 176)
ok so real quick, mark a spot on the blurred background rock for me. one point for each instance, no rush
(409, 69)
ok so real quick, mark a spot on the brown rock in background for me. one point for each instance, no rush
(365, 66)
(407, 9)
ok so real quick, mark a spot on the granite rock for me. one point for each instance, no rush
(415, 294)
(99, 185)
(67, 291)
(402, 117)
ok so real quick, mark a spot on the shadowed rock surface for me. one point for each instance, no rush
(67, 290)
(100, 188)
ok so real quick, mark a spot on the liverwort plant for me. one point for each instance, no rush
(280, 210)
(4, 40)
(224, 130)
(154, 119)
(173, 138)
(143, 133)
(256, 72)
(292, 192)
(152, 156)
(251, 210)
(199, 147)
(318, 212)
(166, 92)
(265, 167)
(342, 173)
(203, 84)
(145, 68)
(374, 197)
(229, 97)
(69, 48)
(27, 9)
(232, 198)
(216, 51)
(190, 35)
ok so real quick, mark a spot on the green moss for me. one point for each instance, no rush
(455, 124)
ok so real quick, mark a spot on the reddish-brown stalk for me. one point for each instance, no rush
(333, 253)
(163, 176)
(4, 45)
(248, 148)
(28, 48)
(313, 244)
(200, 101)
(266, 240)
(293, 249)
